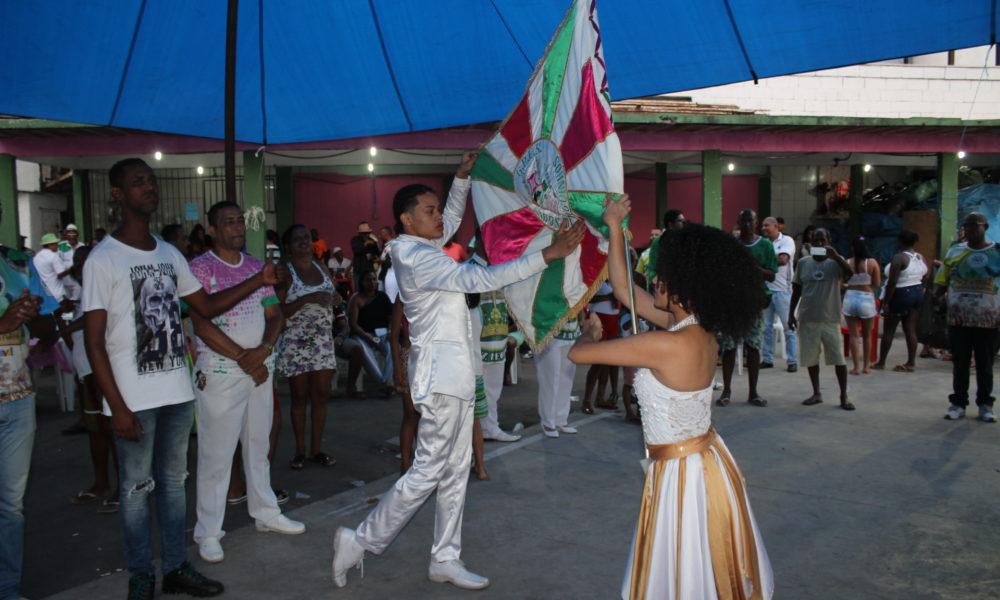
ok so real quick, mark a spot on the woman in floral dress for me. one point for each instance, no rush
(307, 356)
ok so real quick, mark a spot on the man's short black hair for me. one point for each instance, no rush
(780, 220)
(171, 232)
(405, 199)
(213, 213)
(118, 169)
(670, 216)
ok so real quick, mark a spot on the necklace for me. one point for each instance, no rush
(688, 320)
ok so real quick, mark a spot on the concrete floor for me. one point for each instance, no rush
(890, 501)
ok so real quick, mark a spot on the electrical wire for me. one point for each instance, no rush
(972, 105)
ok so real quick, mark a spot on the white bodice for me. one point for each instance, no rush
(669, 416)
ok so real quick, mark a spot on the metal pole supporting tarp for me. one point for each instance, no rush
(230, 100)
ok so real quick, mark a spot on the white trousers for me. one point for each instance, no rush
(555, 383)
(442, 459)
(493, 382)
(230, 410)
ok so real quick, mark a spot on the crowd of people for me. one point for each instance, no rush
(161, 328)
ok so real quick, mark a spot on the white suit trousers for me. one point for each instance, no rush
(230, 410)
(493, 382)
(442, 459)
(555, 374)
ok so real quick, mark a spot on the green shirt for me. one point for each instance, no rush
(820, 282)
(763, 252)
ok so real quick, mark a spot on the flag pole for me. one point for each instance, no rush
(631, 285)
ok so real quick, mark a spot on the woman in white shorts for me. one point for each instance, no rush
(859, 304)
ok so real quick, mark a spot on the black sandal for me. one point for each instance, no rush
(323, 459)
(758, 401)
(298, 462)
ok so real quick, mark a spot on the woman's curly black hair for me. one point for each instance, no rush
(713, 276)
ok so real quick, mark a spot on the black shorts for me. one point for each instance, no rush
(906, 299)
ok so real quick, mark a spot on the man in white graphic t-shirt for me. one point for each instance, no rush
(133, 284)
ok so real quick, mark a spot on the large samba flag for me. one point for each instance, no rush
(554, 158)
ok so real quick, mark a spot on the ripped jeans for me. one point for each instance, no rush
(156, 464)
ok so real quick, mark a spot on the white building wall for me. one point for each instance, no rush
(38, 214)
(890, 89)
(29, 176)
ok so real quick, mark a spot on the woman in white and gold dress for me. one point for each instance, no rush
(696, 537)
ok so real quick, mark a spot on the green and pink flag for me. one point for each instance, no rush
(554, 158)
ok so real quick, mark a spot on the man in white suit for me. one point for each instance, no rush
(433, 287)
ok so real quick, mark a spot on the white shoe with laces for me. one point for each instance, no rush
(986, 414)
(955, 413)
(281, 524)
(210, 550)
(347, 553)
(455, 573)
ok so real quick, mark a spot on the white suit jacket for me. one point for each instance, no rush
(433, 287)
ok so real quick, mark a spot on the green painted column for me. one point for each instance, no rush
(8, 202)
(284, 198)
(854, 199)
(711, 188)
(947, 164)
(253, 202)
(81, 214)
(661, 193)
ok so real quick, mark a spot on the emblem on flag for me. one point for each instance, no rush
(552, 161)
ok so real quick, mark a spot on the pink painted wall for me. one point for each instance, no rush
(684, 193)
(334, 204)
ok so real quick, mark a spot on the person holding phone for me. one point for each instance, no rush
(817, 283)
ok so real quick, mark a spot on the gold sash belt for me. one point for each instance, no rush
(730, 533)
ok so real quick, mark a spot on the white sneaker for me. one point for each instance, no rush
(347, 553)
(455, 573)
(550, 433)
(567, 429)
(502, 436)
(986, 414)
(210, 550)
(955, 413)
(281, 524)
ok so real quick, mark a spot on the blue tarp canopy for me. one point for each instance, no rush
(328, 69)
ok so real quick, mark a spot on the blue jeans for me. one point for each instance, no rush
(156, 463)
(779, 304)
(17, 434)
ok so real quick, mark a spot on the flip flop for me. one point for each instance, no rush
(722, 401)
(606, 405)
(903, 369)
(83, 497)
(108, 507)
(846, 406)
(587, 410)
(299, 462)
(812, 401)
(323, 459)
(758, 401)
